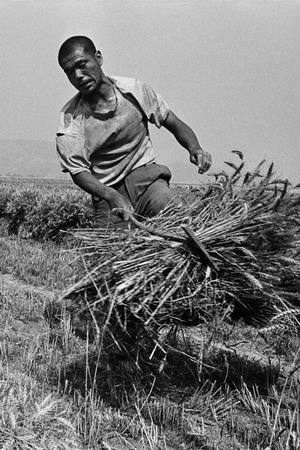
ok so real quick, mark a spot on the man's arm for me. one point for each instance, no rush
(187, 138)
(117, 202)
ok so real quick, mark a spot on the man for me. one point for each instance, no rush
(103, 138)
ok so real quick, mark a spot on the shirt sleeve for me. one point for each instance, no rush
(72, 154)
(153, 104)
(70, 142)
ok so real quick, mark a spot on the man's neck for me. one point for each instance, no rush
(102, 96)
(105, 100)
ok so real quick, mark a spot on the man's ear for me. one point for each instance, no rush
(99, 57)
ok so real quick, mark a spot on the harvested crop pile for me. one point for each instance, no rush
(136, 281)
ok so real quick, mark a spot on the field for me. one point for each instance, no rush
(221, 382)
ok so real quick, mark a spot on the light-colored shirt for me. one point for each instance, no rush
(110, 147)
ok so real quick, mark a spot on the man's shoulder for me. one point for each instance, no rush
(72, 104)
(70, 114)
(125, 84)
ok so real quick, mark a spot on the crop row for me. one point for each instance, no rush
(43, 211)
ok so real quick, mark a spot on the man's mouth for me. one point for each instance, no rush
(85, 84)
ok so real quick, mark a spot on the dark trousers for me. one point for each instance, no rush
(148, 190)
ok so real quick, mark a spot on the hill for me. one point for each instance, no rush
(29, 158)
(38, 159)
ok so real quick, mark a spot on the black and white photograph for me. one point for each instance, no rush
(150, 225)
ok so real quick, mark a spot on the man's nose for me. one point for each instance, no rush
(78, 74)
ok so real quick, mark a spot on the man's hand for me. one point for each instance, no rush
(201, 159)
(187, 138)
(120, 206)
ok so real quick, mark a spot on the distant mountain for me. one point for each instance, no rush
(38, 158)
(29, 158)
(186, 173)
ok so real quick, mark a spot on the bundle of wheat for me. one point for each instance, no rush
(136, 280)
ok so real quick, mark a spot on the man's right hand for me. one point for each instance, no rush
(120, 206)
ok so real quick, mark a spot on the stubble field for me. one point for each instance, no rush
(210, 383)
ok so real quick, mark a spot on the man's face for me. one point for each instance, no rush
(83, 70)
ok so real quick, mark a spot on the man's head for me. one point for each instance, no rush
(82, 63)
(83, 42)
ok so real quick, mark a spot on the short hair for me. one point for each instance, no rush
(73, 42)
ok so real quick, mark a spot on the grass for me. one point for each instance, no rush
(53, 385)
(36, 264)
(43, 211)
(217, 385)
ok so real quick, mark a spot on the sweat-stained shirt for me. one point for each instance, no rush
(110, 147)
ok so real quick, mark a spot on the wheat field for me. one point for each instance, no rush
(102, 350)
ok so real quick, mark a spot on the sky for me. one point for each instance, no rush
(230, 69)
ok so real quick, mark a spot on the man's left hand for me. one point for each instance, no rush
(201, 159)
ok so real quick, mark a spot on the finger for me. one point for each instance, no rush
(200, 159)
(203, 168)
(207, 161)
(123, 213)
(199, 162)
(118, 211)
